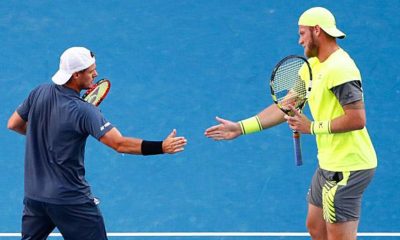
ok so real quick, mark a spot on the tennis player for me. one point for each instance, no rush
(346, 156)
(57, 122)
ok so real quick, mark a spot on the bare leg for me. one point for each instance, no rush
(316, 224)
(342, 231)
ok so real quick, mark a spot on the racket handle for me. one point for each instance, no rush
(297, 149)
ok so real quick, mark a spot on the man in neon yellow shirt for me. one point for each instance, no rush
(346, 156)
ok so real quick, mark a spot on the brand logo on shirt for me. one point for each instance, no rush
(349, 95)
(319, 76)
(104, 126)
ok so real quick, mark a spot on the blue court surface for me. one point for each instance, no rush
(178, 64)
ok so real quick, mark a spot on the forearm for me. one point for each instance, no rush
(349, 122)
(129, 145)
(353, 119)
(267, 118)
(121, 144)
(271, 116)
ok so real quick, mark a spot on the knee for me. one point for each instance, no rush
(311, 228)
(316, 230)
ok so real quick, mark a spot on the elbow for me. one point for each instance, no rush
(12, 126)
(359, 127)
(360, 124)
(358, 120)
(117, 146)
(119, 149)
(16, 123)
(115, 141)
(354, 118)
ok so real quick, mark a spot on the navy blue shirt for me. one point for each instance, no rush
(58, 124)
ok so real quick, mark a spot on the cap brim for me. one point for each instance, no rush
(61, 77)
(334, 32)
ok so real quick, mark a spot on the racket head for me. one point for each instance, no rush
(290, 83)
(96, 94)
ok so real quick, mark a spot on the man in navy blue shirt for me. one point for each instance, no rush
(57, 122)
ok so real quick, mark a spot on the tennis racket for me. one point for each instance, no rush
(289, 88)
(98, 92)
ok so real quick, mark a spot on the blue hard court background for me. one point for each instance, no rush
(178, 64)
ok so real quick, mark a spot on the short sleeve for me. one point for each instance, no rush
(95, 123)
(343, 71)
(348, 92)
(25, 106)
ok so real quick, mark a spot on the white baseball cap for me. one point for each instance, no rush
(73, 60)
(322, 17)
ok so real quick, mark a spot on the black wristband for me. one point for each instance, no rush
(151, 147)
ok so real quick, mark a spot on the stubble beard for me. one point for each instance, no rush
(311, 50)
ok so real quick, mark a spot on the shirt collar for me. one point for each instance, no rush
(66, 90)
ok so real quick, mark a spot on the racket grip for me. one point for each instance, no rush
(297, 149)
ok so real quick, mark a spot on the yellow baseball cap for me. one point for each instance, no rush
(322, 17)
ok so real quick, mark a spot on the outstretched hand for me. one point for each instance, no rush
(173, 144)
(226, 130)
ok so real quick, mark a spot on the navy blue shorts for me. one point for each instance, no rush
(80, 221)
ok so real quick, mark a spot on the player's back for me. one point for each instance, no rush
(54, 162)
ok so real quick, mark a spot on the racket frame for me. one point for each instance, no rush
(101, 81)
(296, 135)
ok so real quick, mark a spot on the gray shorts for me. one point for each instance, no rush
(339, 193)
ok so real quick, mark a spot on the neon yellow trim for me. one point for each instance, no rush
(328, 197)
(241, 127)
(328, 201)
(346, 176)
(250, 125)
(312, 128)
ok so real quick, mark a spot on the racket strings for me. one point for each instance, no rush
(289, 88)
(97, 94)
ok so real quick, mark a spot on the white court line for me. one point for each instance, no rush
(217, 234)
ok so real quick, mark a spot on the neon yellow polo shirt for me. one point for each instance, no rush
(349, 151)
